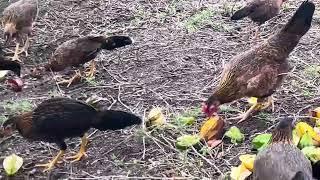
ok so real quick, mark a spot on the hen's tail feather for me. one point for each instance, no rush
(300, 22)
(113, 42)
(243, 12)
(113, 120)
(10, 65)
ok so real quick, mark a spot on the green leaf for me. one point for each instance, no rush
(235, 135)
(185, 121)
(261, 141)
(305, 141)
(187, 141)
(312, 153)
(12, 164)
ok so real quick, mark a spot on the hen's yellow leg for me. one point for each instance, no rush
(245, 116)
(268, 103)
(92, 69)
(257, 106)
(76, 77)
(82, 151)
(16, 53)
(50, 165)
(25, 47)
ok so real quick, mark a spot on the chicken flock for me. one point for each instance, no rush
(257, 72)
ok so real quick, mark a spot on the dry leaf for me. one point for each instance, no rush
(3, 74)
(316, 113)
(240, 172)
(252, 100)
(303, 127)
(155, 117)
(248, 160)
(214, 143)
(12, 164)
(212, 128)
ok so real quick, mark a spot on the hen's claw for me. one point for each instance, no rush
(92, 69)
(82, 151)
(70, 81)
(49, 166)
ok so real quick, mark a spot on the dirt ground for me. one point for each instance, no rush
(175, 63)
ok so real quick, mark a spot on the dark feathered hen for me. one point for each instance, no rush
(282, 160)
(18, 18)
(81, 50)
(10, 65)
(260, 71)
(59, 118)
(259, 11)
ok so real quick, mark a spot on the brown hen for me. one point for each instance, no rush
(282, 160)
(81, 50)
(260, 71)
(259, 11)
(18, 19)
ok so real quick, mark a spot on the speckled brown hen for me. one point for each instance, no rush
(59, 118)
(260, 71)
(81, 50)
(18, 19)
(282, 160)
(259, 11)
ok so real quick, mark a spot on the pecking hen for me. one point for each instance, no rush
(282, 160)
(18, 20)
(81, 50)
(59, 118)
(259, 71)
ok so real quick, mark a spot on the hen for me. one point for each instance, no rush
(81, 50)
(282, 160)
(260, 71)
(18, 18)
(59, 118)
(259, 11)
(10, 65)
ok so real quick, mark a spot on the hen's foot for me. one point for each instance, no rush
(52, 163)
(92, 69)
(77, 77)
(82, 151)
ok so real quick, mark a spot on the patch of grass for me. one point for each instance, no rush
(17, 106)
(193, 112)
(286, 7)
(2, 119)
(92, 81)
(198, 20)
(227, 109)
(264, 116)
(312, 71)
(227, 9)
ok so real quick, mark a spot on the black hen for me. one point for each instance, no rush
(59, 118)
